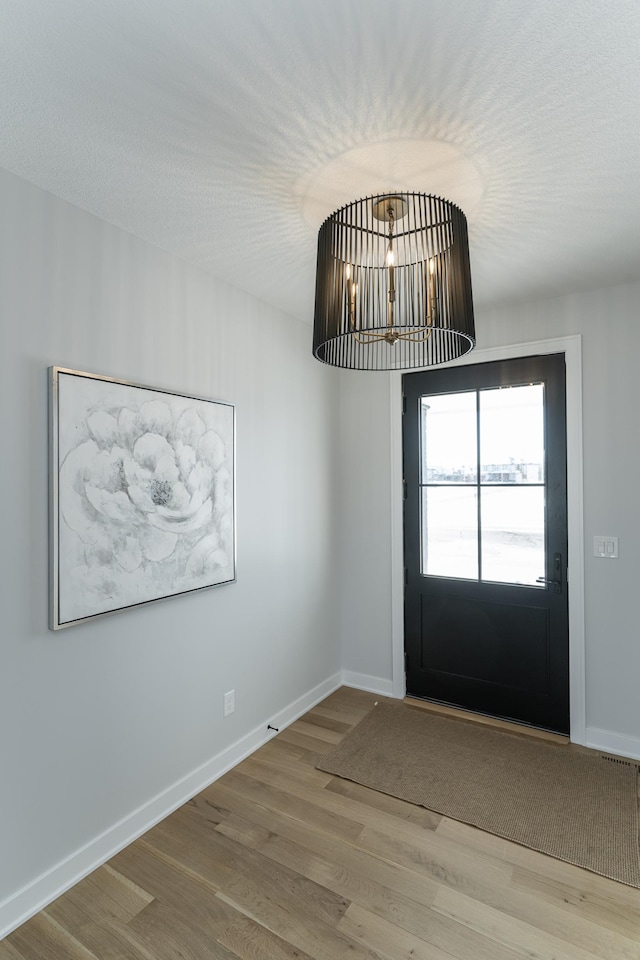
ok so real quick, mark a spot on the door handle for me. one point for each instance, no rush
(557, 569)
(556, 583)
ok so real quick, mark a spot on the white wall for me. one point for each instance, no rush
(365, 530)
(608, 320)
(98, 719)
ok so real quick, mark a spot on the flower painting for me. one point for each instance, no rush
(142, 495)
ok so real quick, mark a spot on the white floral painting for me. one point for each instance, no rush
(142, 495)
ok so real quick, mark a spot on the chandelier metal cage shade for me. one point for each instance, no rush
(393, 284)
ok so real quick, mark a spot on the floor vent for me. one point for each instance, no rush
(625, 763)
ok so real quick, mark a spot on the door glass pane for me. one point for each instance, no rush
(512, 434)
(450, 532)
(512, 521)
(449, 438)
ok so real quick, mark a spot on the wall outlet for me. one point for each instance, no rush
(229, 703)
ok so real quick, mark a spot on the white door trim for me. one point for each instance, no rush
(572, 349)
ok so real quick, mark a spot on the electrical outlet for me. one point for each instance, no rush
(229, 702)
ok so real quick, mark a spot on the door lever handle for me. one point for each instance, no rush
(556, 583)
(557, 569)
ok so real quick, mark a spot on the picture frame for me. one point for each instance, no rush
(142, 495)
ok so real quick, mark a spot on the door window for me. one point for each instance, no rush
(483, 484)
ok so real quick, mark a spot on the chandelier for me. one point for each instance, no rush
(393, 284)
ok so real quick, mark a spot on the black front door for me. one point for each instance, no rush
(485, 539)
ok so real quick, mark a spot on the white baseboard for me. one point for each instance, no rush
(362, 681)
(45, 888)
(610, 742)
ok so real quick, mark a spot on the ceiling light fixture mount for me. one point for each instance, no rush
(393, 284)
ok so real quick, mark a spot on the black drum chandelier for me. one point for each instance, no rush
(393, 284)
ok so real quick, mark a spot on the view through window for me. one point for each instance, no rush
(483, 484)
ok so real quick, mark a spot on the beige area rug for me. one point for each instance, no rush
(577, 807)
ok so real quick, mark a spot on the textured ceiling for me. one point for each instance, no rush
(225, 131)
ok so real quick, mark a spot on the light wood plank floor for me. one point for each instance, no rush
(277, 861)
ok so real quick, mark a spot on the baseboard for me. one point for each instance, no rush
(45, 888)
(362, 681)
(610, 742)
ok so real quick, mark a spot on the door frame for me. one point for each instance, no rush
(572, 349)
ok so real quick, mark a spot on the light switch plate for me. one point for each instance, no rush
(606, 547)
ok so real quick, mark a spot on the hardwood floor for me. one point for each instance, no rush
(277, 861)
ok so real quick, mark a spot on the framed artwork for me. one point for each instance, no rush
(142, 495)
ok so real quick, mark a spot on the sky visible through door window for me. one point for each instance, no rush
(482, 477)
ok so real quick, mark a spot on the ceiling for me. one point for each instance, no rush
(225, 131)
